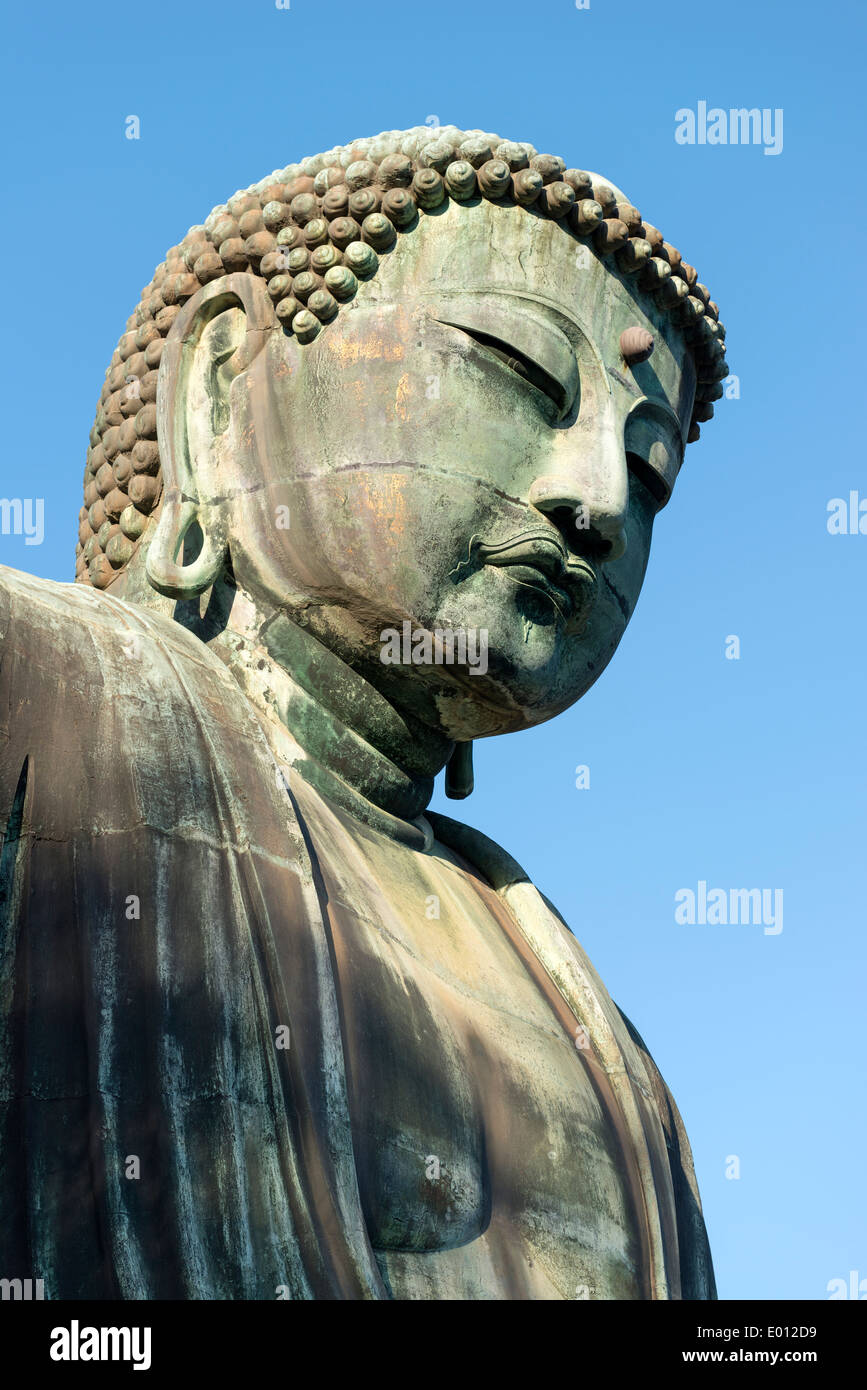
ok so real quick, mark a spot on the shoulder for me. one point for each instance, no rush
(93, 685)
(498, 866)
(22, 596)
(129, 720)
(54, 615)
(59, 631)
(43, 626)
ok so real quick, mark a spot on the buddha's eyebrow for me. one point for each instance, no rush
(519, 299)
(507, 305)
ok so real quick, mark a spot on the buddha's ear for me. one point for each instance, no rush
(214, 338)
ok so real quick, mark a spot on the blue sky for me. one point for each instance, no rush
(740, 773)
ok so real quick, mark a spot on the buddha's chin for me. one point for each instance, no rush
(517, 692)
(489, 670)
(502, 699)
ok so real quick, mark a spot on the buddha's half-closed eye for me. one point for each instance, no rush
(513, 359)
(654, 447)
(522, 341)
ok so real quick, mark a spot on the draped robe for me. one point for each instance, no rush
(174, 1119)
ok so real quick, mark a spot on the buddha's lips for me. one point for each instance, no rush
(570, 581)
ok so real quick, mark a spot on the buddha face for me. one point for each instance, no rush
(463, 449)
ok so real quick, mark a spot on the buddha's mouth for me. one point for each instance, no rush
(536, 560)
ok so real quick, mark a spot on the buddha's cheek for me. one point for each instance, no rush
(384, 388)
(387, 543)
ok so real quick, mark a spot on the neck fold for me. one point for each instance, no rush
(335, 729)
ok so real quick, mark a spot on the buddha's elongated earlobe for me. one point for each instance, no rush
(212, 340)
(165, 574)
(459, 772)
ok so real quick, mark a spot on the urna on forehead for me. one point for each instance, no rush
(317, 232)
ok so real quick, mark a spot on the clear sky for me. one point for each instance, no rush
(739, 773)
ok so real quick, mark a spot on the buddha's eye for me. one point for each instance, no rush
(646, 474)
(653, 448)
(522, 366)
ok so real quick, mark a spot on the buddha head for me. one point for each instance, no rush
(429, 383)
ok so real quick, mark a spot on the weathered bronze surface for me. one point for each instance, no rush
(373, 475)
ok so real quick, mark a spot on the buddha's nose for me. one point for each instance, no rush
(588, 503)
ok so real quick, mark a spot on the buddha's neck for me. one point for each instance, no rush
(331, 725)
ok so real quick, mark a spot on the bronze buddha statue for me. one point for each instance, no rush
(269, 1029)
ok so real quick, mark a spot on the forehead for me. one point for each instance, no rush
(518, 255)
